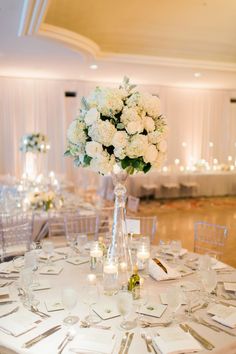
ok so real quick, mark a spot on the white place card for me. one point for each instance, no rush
(77, 260)
(221, 310)
(42, 285)
(54, 305)
(164, 301)
(230, 286)
(154, 310)
(106, 310)
(133, 226)
(53, 270)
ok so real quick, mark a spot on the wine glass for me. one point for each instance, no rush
(82, 240)
(176, 247)
(124, 306)
(209, 282)
(71, 241)
(140, 298)
(69, 300)
(92, 296)
(204, 262)
(48, 249)
(174, 297)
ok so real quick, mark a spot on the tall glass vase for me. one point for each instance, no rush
(119, 250)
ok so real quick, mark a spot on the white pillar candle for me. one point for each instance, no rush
(143, 255)
(123, 266)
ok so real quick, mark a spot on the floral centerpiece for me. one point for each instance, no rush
(118, 125)
(35, 142)
(44, 201)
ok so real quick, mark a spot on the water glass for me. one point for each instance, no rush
(124, 306)
(204, 262)
(32, 263)
(26, 281)
(209, 282)
(96, 257)
(92, 296)
(69, 300)
(174, 299)
(140, 298)
(176, 247)
(71, 238)
(48, 249)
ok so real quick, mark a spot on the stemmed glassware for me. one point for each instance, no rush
(82, 240)
(124, 306)
(209, 282)
(26, 281)
(69, 300)
(140, 298)
(92, 296)
(71, 238)
(176, 246)
(32, 263)
(174, 299)
(48, 249)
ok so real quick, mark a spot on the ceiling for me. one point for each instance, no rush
(163, 42)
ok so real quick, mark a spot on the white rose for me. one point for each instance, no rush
(93, 148)
(120, 139)
(138, 145)
(91, 116)
(76, 133)
(155, 137)
(149, 124)
(103, 163)
(162, 146)
(150, 154)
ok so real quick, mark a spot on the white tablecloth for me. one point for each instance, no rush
(76, 276)
(208, 183)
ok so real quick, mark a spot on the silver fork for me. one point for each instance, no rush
(39, 313)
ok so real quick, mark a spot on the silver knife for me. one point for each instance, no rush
(123, 342)
(205, 343)
(129, 343)
(45, 334)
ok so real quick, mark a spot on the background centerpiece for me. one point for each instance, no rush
(33, 145)
(118, 131)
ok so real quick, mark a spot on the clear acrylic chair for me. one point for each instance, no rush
(78, 224)
(209, 238)
(105, 222)
(56, 224)
(148, 225)
(16, 234)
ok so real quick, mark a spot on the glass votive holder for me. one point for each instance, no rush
(96, 257)
(143, 255)
(110, 277)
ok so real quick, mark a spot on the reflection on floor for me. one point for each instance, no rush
(176, 219)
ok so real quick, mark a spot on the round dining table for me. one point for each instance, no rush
(76, 276)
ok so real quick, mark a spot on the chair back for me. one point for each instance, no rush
(16, 234)
(79, 224)
(209, 238)
(147, 225)
(105, 222)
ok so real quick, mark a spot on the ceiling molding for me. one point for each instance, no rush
(32, 16)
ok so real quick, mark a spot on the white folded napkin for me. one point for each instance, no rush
(18, 322)
(158, 273)
(95, 340)
(181, 253)
(226, 315)
(174, 340)
(53, 270)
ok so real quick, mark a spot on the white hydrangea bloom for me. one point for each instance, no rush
(150, 154)
(162, 146)
(120, 139)
(149, 124)
(93, 148)
(103, 163)
(91, 116)
(138, 145)
(129, 115)
(133, 100)
(155, 137)
(119, 153)
(102, 132)
(134, 127)
(150, 104)
(109, 101)
(76, 133)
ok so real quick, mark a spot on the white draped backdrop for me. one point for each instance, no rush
(195, 116)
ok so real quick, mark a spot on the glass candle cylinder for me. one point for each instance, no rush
(143, 255)
(96, 257)
(110, 277)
